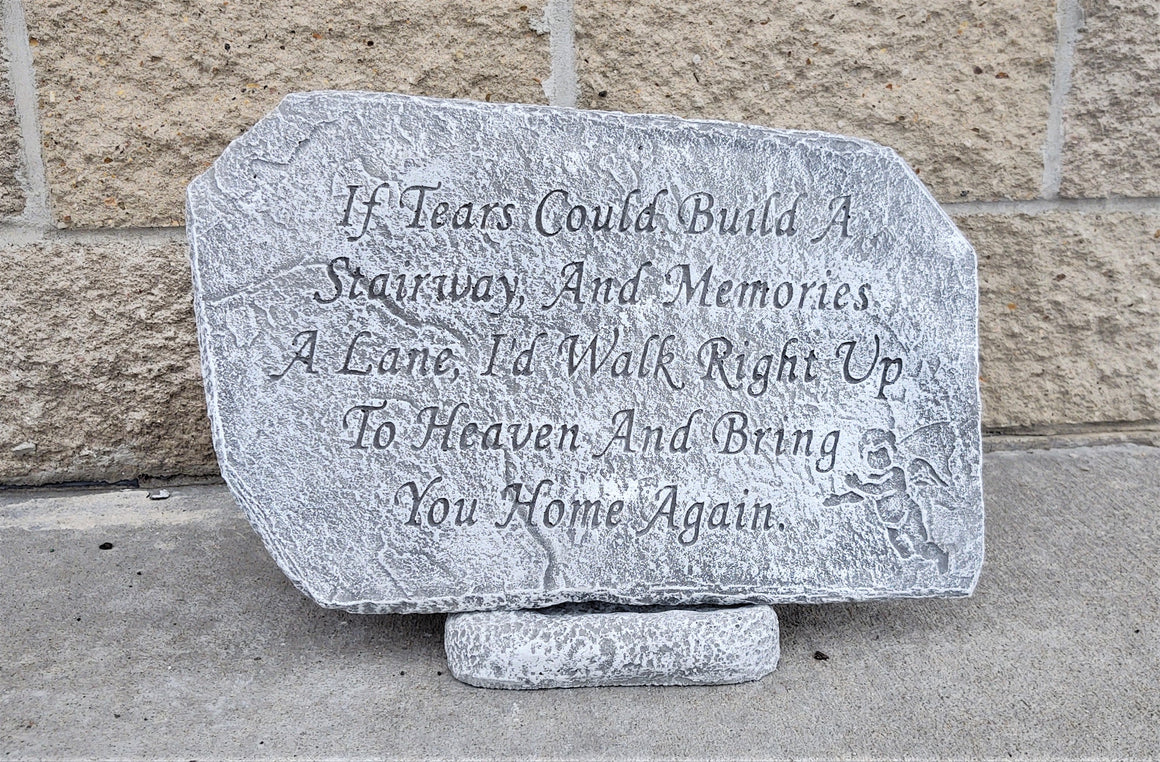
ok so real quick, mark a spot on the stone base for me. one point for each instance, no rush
(579, 645)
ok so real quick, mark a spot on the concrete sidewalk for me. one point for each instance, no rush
(184, 640)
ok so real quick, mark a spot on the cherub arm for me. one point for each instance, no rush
(868, 487)
(845, 497)
(888, 483)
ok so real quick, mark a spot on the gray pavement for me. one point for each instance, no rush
(184, 640)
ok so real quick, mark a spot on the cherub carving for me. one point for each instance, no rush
(889, 489)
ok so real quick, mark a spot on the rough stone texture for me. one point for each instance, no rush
(103, 380)
(959, 89)
(136, 99)
(1112, 118)
(304, 230)
(585, 645)
(11, 183)
(1069, 317)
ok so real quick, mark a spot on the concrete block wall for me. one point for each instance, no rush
(1036, 124)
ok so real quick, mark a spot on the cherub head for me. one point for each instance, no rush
(878, 448)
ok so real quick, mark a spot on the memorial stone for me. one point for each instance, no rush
(463, 356)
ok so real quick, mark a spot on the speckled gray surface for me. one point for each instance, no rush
(585, 644)
(602, 357)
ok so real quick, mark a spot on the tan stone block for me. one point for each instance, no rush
(1112, 118)
(1069, 317)
(138, 98)
(11, 183)
(960, 89)
(103, 380)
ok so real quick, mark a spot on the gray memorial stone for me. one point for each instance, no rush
(462, 356)
(599, 644)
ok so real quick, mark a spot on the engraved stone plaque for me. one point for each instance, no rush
(464, 356)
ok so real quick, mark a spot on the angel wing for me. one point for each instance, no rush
(934, 444)
(922, 473)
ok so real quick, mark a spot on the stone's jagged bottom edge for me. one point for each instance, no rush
(533, 601)
(602, 646)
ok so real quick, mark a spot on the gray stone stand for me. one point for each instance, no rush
(586, 645)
